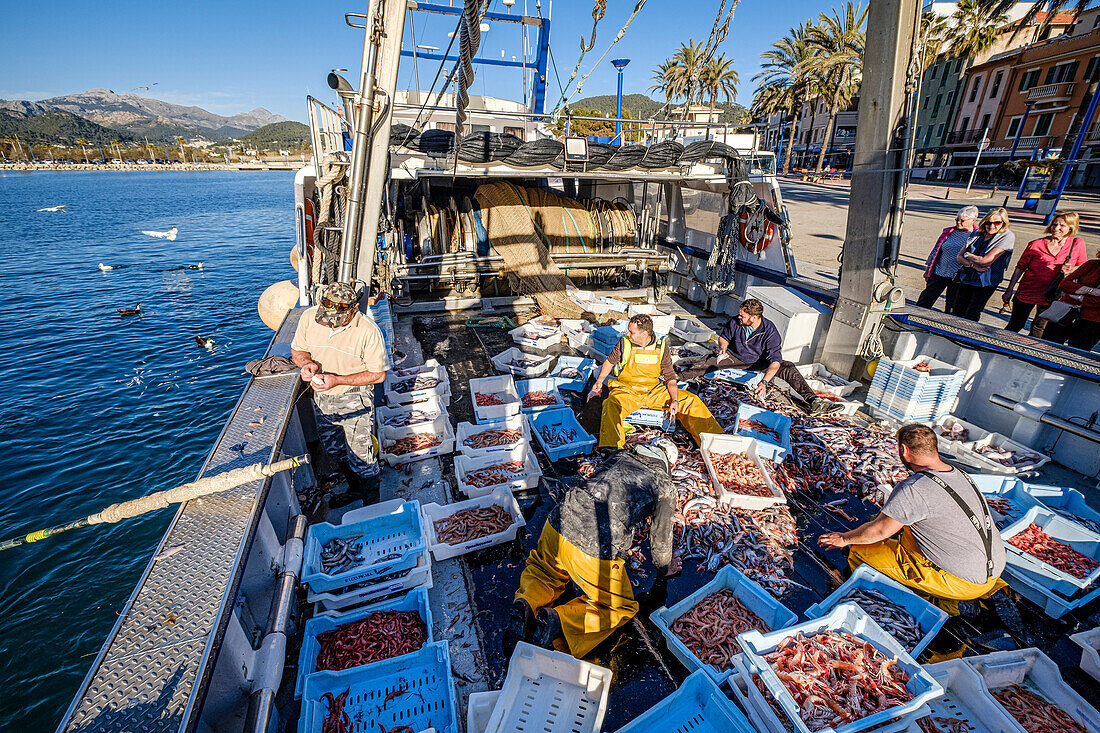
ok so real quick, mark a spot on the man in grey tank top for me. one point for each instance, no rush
(934, 533)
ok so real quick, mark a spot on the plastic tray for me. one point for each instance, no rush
(697, 706)
(586, 367)
(651, 418)
(1089, 641)
(541, 384)
(965, 698)
(535, 338)
(550, 692)
(1032, 669)
(662, 322)
(1084, 541)
(781, 423)
(619, 306)
(426, 673)
(397, 533)
(738, 376)
(432, 407)
(415, 600)
(578, 339)
(756, 599)
(428, 366)
(951, 445)
(692, 331)
(1012, 490)
(479, 708)
(852, 619)
(813, 374)
(1067, 502)
(1034, 587)
(929, 618)
(999, 441)
(528, 479)
(550, 419)
(720, 443)
(433, 512)
(500, 362)
(443, 386)
(502, 386)
(441, 427)
(608, 336)
(515, 422)
(419, 577)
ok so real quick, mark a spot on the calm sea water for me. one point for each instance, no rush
(99, 408)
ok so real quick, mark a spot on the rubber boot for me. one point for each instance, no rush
(365, 488)
(549, 628)
(521, 626)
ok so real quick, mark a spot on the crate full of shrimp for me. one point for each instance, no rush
(844, 635)
(910, 619)
(539, 394)
(465, 526)
(768, 428)
(494, 398)
(515, 470)
(400, 446)
(560, 434)
(1029, 687)
(495, 436)
(1048, 544)
(738, 473)
(701, 630)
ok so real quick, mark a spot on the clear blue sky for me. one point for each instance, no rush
(231, 57)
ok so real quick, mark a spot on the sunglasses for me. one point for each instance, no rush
(994, 223)
(334, 306)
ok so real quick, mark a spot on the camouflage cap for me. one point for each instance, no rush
(338, 305)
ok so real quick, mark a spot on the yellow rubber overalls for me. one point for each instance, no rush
(637, 384)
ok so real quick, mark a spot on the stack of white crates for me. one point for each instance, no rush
(901, 393)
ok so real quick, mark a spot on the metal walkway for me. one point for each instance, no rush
(153, 670)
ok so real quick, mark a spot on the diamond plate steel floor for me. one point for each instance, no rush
(150, 673)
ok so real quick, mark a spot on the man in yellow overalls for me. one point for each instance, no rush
(948, 550)
(644, 377)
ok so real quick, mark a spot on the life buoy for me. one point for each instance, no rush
(755, 229)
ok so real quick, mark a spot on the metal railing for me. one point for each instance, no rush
(326, 128)
(1063, 90)
(1037, 141)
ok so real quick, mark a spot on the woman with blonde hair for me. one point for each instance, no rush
(984, 260)
(1042, 266)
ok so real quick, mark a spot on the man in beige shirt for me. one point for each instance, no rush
(342, 354)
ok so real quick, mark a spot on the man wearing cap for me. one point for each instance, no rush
(583, 541)
(341, 354)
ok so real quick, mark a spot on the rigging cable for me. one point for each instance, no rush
(622, 32)
(598, 10)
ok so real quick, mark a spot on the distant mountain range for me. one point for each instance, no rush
(100, 115)
(643, 107)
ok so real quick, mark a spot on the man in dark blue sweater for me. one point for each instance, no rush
(750, 341)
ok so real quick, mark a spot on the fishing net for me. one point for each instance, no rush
(514, 232)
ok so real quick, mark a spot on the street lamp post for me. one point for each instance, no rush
(619, 64)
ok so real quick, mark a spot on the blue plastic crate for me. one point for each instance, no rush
(608, 336)
(1036, 588)
(854, 620)
(539, 384)
(1013, 491)
(756, 599)
(1067, 502)
(419, 686)
(1063, 530)
(415, 600)
(586, 367)
(391, 544)
(564, 418)
(781, 423)
(698, 706)
(930, 618)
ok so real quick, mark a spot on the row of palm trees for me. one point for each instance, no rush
(823, 61)
(19, 150)
(691, 74)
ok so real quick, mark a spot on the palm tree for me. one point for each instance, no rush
(718, 77)
(679, 76)
(118, 150)
(661, 81)
(13, 140)
(839, 41)
(1050, 7)
(934, 32)
(183, 154)
(975, 26)
(786, 77)
(83, 147)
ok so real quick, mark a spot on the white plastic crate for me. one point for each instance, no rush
(662, 322)
(692, 331)
(650, 418)
(433, 512)
(1063, 530)
(815, 373)
(440, 427)
(503, 387)
(1034, 670)
(527, 479)
(411, 413)
(1089, 641)
(697, 706)
(854, 620)
(419, 577)
(711, 443)
(467, 431)
(951, 445)
(535, 338)
(964, 698)
(428, 366)
(970, 450)
(539, 364)
(441, 388)
(539, 384)
(579, 339)
(550, 692)
(479, 708)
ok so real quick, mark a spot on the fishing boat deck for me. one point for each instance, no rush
(155, 666)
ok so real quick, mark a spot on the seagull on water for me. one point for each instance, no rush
(205, 343)
(59, 207)
(105, 268)
(195, 267)
(170, 235)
